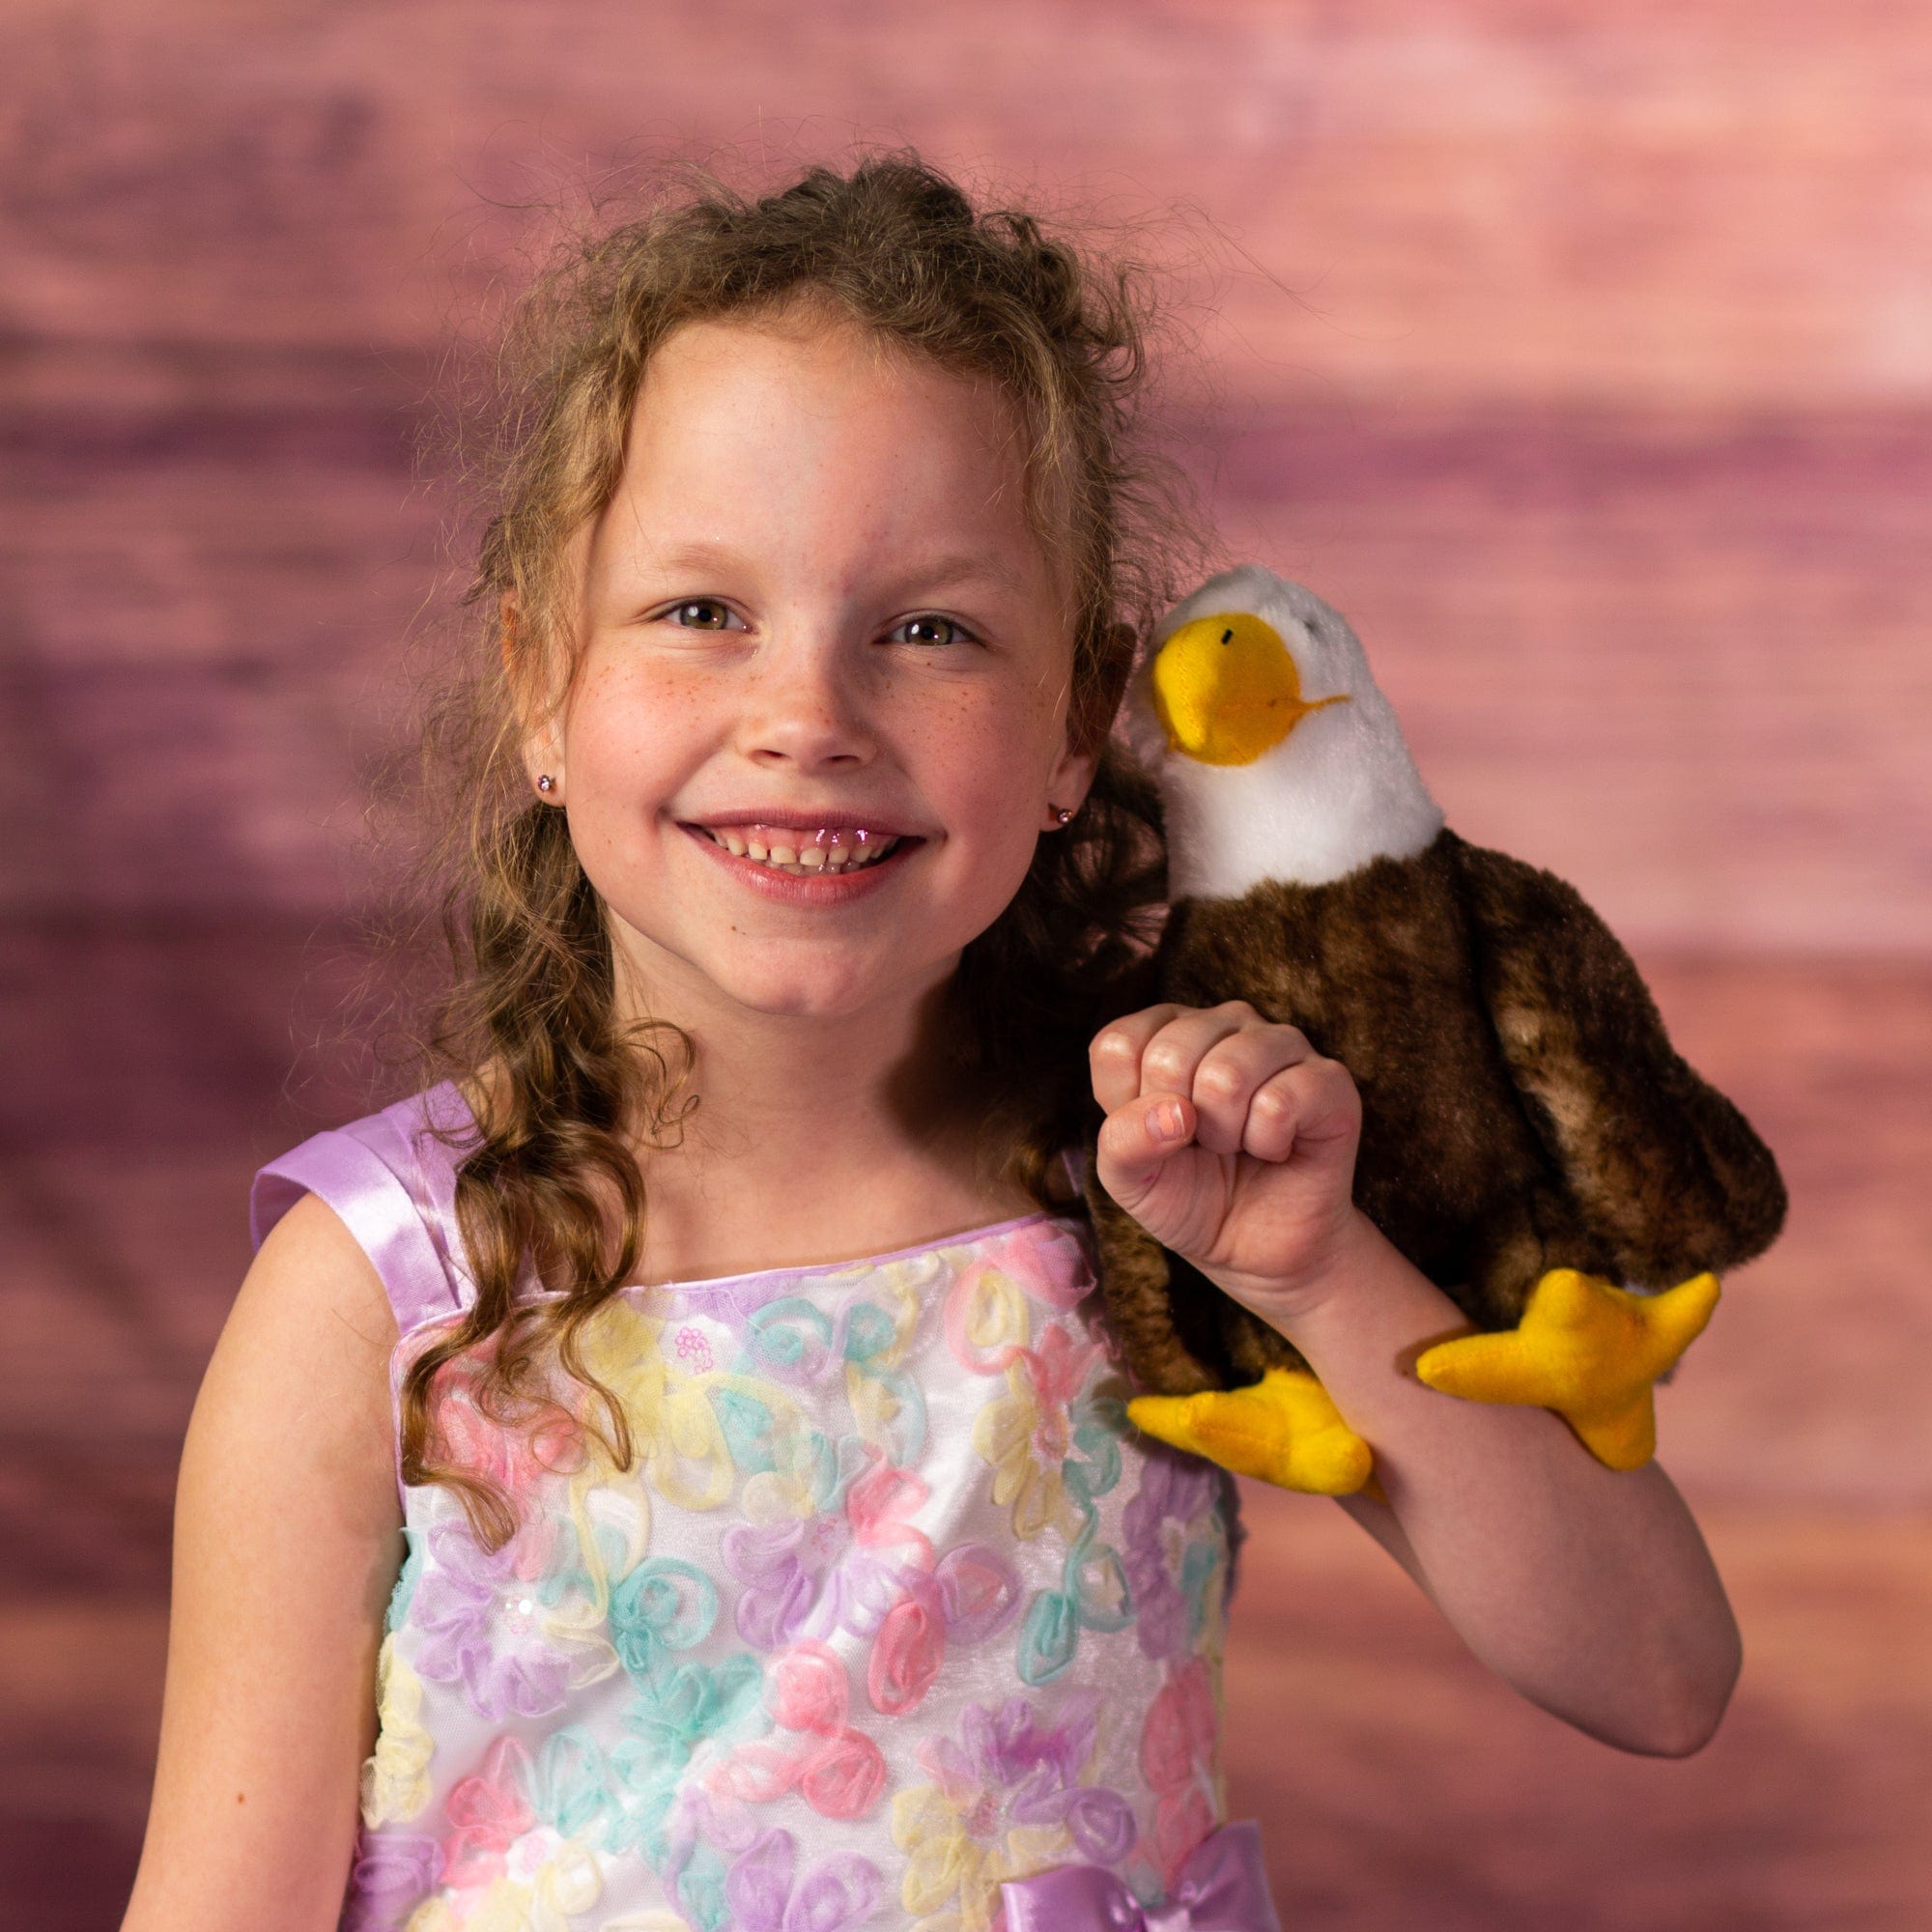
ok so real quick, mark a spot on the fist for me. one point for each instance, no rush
(1232, 1142)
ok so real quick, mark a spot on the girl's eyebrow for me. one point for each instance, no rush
(945, 571)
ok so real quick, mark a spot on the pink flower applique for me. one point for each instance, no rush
(840, 1774)
(1179, 1746)
(488, 1813)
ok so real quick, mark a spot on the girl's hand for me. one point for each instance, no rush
(1232, 1142)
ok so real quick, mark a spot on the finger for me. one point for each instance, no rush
(1312, 1109)
(1114, 1053)
(1171, 1059)
(1233, 1071)
(1137, 1140)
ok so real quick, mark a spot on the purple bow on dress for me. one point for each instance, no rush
(1222, 1888)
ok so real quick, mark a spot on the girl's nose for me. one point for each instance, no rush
(803, 706)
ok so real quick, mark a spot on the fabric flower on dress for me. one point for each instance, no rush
(405, 1578)
(675, 1433)
(395, 1784)
(621, 1799)
(812, 1578)
(663, 1605)
(522, 1454)
(1178, 1744)
(389, 1877)
(840, 1775)
(682, 1709)
(477, 1611)
(1006, 1801)
(1175, 1545)
(547, 1883)
(1093, 1595)
(767, 1892)
(1054, 1447)
(490, 1813)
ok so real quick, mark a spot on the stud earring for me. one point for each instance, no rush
(546, 784)
(1062, 813)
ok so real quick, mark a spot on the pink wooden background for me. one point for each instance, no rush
(1584, 354)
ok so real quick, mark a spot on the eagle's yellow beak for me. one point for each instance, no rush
(1226, 690)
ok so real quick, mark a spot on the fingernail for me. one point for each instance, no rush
(1165, 1122)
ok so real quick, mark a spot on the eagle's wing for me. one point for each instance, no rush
(1660, 1164)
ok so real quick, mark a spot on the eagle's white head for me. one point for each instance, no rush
(1277, 755)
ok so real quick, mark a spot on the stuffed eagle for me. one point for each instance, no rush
(1530, 1141)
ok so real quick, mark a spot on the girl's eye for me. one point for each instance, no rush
(717, 619)
(930, 620)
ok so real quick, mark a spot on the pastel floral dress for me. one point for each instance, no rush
(892, 1606)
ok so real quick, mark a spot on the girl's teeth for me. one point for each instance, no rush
(800, 859)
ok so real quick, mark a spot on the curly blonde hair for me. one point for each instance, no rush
(897, 247)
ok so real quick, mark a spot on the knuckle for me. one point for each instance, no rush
(1272, 1105)
(1163, 1063)
(1220, 1079)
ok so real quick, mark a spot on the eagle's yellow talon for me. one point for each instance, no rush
(1283, 1429)
(1587, 1349)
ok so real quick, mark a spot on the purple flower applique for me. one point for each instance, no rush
(393, 1873)
(767, 1892)
(1165, 1564)
(1007, 1766)
(477, 1610)
(832, 1571)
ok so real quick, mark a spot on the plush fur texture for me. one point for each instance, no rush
(1522, 1107)
(1339, 791)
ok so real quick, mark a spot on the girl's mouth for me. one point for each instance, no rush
(814, 868)
(781, 849)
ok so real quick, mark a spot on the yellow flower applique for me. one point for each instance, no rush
(395, 1782)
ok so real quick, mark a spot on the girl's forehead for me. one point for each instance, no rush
(816, 419)
(800, 369)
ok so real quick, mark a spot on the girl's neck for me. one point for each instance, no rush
(815, 1144)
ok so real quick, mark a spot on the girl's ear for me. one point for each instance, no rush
(1073, 772)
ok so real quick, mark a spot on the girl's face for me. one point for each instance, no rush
(812, 604)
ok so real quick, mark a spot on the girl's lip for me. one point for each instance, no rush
(814, 889)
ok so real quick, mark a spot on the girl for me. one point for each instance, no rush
(741, 1582)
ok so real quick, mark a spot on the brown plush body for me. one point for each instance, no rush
(1523, 1108)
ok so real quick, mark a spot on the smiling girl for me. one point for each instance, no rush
(671, 1471)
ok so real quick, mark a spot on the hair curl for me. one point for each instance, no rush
(897, 247)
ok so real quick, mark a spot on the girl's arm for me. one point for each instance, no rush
(1588, 1590)
(1232, 1142)
(286, 1544)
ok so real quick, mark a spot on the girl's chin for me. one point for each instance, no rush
(800, 994)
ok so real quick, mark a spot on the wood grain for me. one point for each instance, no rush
(1582, 354)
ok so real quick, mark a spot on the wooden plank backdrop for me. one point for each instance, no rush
(1583, 355)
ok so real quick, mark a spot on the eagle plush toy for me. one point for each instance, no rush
(1530, 1141)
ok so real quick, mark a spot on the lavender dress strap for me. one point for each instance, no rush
(393, 1185)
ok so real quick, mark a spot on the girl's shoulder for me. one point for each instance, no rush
(390, 1176)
